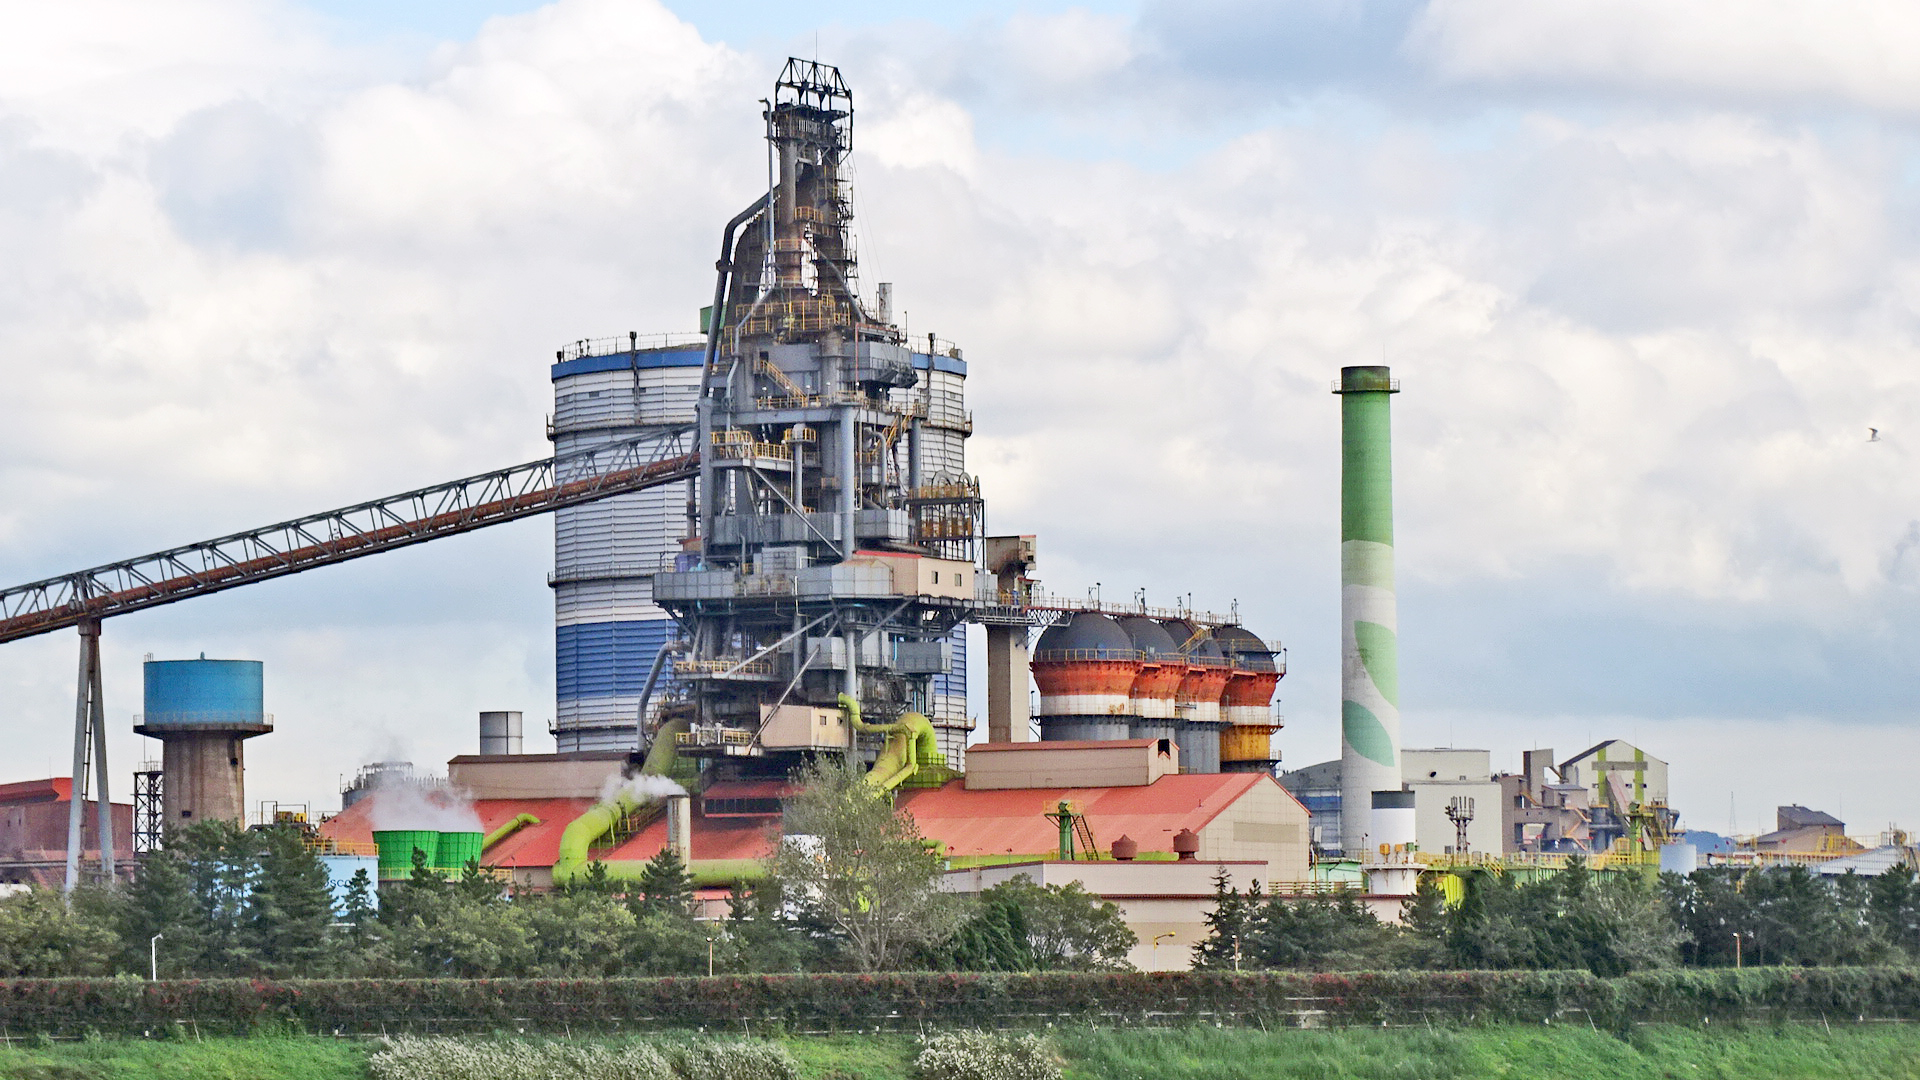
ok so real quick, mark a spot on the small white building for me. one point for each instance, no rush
(1439, 776)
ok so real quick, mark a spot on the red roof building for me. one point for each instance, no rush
(33, 832)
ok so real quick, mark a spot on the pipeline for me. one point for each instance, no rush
(570, 864)
(911, 745)
(646, 692)
(511, 827)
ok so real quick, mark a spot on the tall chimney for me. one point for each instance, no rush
(1369, 655)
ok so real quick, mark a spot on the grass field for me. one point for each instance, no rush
(1884, 1052)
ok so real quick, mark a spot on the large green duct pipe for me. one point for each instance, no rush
(572, 861)
(911, 744)
(1369, 655)
(520, 821)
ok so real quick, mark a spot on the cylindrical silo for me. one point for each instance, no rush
(607, 628)
(1198, 696)
(1151, 698)
(1246, 745)
(202, 711)
(500, 733)
(1084, 667)
(1369, 668)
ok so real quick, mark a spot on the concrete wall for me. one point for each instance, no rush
(1165, 904)
(1119, 763)
(578, 775)
(1433, 831)
(1264, 825)
(205, 778)
(1445, 763)
(1621, 758)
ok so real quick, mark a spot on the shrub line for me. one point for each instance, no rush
(913, 1001)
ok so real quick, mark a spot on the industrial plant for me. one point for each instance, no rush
(767, 549)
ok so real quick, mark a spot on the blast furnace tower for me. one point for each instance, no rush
(830, 542)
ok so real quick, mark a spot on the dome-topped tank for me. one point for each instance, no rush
(1085, 667)
(1243, 649)
(1086, 632)
(1197, 700)
(1161, 669)
(1246, 744)
(1206, 672)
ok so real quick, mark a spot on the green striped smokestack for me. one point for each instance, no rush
(1369, 654)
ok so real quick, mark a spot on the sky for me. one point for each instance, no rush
(1647, 273)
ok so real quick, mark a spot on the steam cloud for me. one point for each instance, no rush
(642, 789)
(402, 805)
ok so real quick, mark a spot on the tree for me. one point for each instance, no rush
(161, 901)
(41, 936)
(575, 934)
(764, 933)
(1609, 924)
(1893, 901)
(1067, 927)
(994, 938)
(290, 909)
(1784, 915)
(665, 885)
(357, 907)
(861, 867)
(1318, 932)
(1230, 924)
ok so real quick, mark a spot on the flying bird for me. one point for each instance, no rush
(1873, 434)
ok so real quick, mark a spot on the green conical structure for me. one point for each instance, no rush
(1369, 654)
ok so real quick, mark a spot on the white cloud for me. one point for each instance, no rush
(1776, 50)
(1643, 342)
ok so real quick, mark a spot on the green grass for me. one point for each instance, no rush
(1889, 1052)
(1535, 1053)
(214, 1059)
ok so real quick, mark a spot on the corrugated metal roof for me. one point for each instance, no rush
(966, 822)
(1870, 863)
(1013, 822)
(1796, 816)
(52, 789)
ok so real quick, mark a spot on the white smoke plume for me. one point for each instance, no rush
(642, 789)
(403, 805)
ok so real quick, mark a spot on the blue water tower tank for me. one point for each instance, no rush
(204, 694)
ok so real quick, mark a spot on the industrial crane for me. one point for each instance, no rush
(85, 597)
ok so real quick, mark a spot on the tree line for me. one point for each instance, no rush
(860, 892)
(1609, 924)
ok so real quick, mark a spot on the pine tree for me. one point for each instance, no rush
(665, 885)
(359, 913)
(161, 901)
(1232, 923)
(290, 908)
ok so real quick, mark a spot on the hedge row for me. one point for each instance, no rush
(916, 1001)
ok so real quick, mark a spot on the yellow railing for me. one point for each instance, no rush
(723, 667)
(735, 444)
(327, 845)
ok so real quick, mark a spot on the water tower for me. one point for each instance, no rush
(202, 711)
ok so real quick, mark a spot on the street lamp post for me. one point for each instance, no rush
(153, 957)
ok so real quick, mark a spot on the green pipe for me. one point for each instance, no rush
(519, 822)
(571, 863)
(911, 744)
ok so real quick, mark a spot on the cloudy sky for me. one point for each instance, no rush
(1647, 271)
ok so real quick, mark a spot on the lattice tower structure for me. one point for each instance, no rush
(835, 539)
